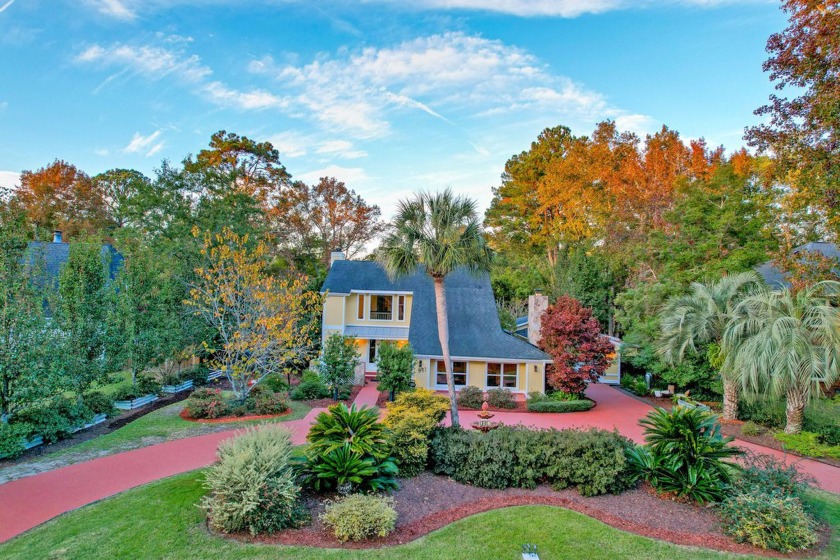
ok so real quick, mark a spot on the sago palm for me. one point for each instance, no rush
(699, 318)
(787, 345)
(440, 232)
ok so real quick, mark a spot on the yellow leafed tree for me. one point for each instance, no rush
(260, 320)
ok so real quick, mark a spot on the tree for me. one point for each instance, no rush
(803, 132)
(572, 337)
(325, 217)
(395, 367)
(80, 317)
(23, 341)
(694, 324)
(146, 310)
(256, 317)
(786, 344)
(122, 191)
(338, 362)
(439, 232)
(60, 196)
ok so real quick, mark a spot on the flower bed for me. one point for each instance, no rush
(225, 419)
(185, 386)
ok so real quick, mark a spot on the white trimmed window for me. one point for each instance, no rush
(501, 375)
(459, 372)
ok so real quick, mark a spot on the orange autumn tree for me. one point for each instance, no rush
(259, 320)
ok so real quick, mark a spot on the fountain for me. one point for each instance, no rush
(484, 425)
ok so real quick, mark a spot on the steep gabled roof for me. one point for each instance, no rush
(778, 279)
(54, 256)
(474, 329)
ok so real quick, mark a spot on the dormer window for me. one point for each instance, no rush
(381, 308)
(361, 314)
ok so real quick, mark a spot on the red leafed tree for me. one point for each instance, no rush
(572, 336)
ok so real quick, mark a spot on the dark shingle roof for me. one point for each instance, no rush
(56, 254)
(778, 278)
(474, 329)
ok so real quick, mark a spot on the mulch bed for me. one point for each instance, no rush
(226, 419)
(521, 406)
(733, 428)
(429, 502)
(326, 403)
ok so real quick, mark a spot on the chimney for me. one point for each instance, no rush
(337, 255)
(57, 236)
(537, 304)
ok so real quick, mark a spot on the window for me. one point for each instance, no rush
(459, 372)
(401, 308)
(380, 308)
(501, 375)
(361, 314)
(372, 351)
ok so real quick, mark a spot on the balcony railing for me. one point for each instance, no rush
(381, 315)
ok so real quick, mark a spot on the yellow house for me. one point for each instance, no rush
(362, 302)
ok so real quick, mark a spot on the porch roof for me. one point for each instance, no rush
(392, 333)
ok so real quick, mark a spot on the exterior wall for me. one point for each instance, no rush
(528, 380)
(351, 311)
(536, 379)
(334, 311)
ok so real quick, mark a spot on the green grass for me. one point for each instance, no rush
(162, 423)
(160, 520)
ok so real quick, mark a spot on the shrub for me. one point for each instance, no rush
(563, 396)
(12, 437)
(684, 454)
(126, 393)
(148, 385)
(823, 417)
(770, 475)
(636, 385)
(762, 410)
(593, 460)
(359, 517)
(56, 420)
(310, 388)
(411, 419)
(808, 443)
(275, 382)
(348, 448)
(395, 366)
(750, 428)
(266, 402)
(768, 521)
(559, 406)
(197, 374)
(470, 397)
(207, 403)
(99, 403)
(252, 485)
(338, 362)
(500, 398)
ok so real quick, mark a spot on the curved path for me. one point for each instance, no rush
(28, 502)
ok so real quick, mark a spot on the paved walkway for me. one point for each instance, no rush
(28, 502)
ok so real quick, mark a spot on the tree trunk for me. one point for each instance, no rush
(730, 399)
(443, 334)
(795, 409)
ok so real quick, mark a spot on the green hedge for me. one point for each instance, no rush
(560, 406)
(592, 460)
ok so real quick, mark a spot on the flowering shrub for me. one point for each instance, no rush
(207, 403)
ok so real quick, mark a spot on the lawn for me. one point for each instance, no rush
(160, 520)
(162, 423)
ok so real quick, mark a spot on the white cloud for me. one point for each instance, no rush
(340, 148)
(639, 124)
(348, 175)
(254, 99)
(102, 152)
(144, 144)
(9, 179)
(117, 9)
(291, 144)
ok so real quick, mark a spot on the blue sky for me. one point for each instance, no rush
(388, 96)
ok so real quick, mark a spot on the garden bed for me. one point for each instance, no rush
(328, 402)
(733, 428)
(228, 419)
(429, 502)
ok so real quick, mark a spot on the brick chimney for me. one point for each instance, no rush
(337, 255)
(537, 304)
(57, 236)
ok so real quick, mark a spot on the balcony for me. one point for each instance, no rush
(381, 315)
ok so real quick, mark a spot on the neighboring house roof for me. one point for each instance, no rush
(474, 329)
(56, 254)
(778, 278)
(522, 330)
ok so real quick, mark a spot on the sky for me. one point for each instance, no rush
(389, 96)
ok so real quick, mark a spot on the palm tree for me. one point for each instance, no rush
(700, 318)
(439, 232)
(787, 344)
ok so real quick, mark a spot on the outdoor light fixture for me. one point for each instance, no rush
(529, 552)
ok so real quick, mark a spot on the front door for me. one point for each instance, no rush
(373, 353)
